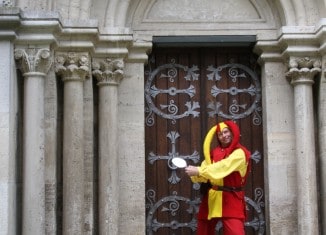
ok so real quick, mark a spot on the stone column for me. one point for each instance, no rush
(73, 68)
(108, 73)
(34, 64)
(322, 145)
(302, 72)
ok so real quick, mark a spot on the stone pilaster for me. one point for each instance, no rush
(89, 160)
(108, 74)
(34, 64)
(302, 71)
(10, 190)
(73, 69)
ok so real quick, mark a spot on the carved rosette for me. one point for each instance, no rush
(33, 60)
(72, 66)
(303, 70)
(108, 72)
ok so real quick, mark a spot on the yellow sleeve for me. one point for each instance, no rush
(199, 179)
(218, 170)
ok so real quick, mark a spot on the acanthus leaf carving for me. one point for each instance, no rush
(303, 69)
(72, 66)
(108, 72)
(33, 60)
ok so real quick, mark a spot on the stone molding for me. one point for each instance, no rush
(303, 69)
(293, 41)
(139, 50)
(72, 66)
(33, 60)
(108, 72)
(28, 26)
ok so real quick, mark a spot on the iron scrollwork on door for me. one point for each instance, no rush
(151, 91)
(258, 221)
(236, 110)
(171, 205)
(194, 157)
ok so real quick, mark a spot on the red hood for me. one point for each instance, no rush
(234, 128)
(236, 136)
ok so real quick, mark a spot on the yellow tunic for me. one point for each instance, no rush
(215, 172)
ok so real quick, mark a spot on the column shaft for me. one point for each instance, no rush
(33, 176)
(108, 161)
(306, 160)
(73, 158)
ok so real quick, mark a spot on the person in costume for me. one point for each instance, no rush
(224, 172)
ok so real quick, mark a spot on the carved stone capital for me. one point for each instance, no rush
(33, 60)
(72, 66)
(303, 69)
(108, 72)
(6, 3)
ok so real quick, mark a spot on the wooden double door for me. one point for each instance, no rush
(187, 91)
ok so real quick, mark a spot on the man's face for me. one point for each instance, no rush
(225, 137)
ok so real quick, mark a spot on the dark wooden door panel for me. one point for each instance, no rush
(187, 91)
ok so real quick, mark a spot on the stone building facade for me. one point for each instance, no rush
(55, 53)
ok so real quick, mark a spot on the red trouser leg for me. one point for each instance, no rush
(206, 227)
(233, 226)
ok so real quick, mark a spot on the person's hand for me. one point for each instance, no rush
(192, 170)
